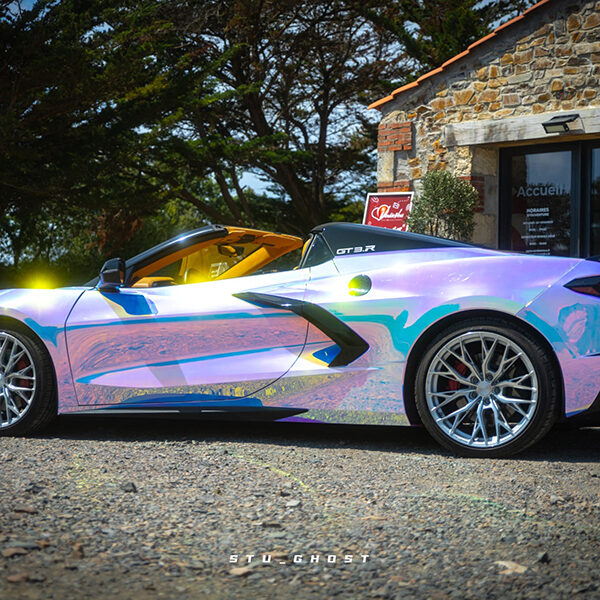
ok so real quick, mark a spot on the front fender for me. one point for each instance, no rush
(45, 312)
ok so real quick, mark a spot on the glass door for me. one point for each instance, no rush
(540, 200)
(594, 191)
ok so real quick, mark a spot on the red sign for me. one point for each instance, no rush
(388, 209)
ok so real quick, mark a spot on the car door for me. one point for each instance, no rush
(195, 344)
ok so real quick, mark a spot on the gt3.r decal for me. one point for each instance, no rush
(356, 250)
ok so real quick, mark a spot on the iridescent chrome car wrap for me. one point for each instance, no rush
(45, 313)
(337, 341)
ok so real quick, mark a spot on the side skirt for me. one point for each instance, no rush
(237, 413)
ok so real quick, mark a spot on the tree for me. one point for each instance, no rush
(284, 100)
(445, 207)
(112, 110)
(66, 137)
(431, 32)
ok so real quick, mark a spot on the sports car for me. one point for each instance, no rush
(485, 349)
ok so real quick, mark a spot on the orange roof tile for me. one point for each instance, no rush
(489, 36)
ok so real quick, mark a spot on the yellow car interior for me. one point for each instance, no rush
(241, 252)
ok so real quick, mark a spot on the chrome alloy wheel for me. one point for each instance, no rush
(481, 389)
(17, 380)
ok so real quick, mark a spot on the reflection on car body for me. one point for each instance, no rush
(357, 324)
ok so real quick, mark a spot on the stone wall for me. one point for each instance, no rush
(547, 62)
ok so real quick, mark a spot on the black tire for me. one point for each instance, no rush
(43, 405)
(542, 405)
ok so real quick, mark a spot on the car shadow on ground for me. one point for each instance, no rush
(560, 445)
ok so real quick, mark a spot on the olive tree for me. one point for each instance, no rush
(445, 207)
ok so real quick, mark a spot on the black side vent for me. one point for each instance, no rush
(585, 285)
(351, 344)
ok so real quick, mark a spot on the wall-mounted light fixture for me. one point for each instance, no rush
(559, 124)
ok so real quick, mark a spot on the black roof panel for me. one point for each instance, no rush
(353, 238)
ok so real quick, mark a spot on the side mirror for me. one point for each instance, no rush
(112, 275)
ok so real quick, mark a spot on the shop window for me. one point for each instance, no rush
(541, 203)
(594, 191)
(541, 208)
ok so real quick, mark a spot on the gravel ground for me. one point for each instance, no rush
(117, 509)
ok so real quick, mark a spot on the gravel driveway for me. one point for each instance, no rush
(117, 509)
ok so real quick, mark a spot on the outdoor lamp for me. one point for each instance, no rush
(559, 124)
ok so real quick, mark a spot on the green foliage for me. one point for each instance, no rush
(120, 107)
(70, 250)
(288, 79)
(65, 144)
(445, 207)
(112, 112)
(431, 32)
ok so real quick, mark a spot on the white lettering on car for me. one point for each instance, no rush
(356, 250)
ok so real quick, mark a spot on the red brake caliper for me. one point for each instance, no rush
(24, 383)
(453, 385)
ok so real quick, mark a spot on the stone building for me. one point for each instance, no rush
(517, 114)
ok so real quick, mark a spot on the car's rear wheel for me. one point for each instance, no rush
(27, 386)
(486, 388)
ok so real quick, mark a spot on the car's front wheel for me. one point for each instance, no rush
(486, 388)
(27, 386)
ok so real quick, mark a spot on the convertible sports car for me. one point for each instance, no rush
(484, 348)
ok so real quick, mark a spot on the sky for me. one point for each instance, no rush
(254, 182)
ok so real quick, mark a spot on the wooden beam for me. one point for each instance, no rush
(518, 129)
